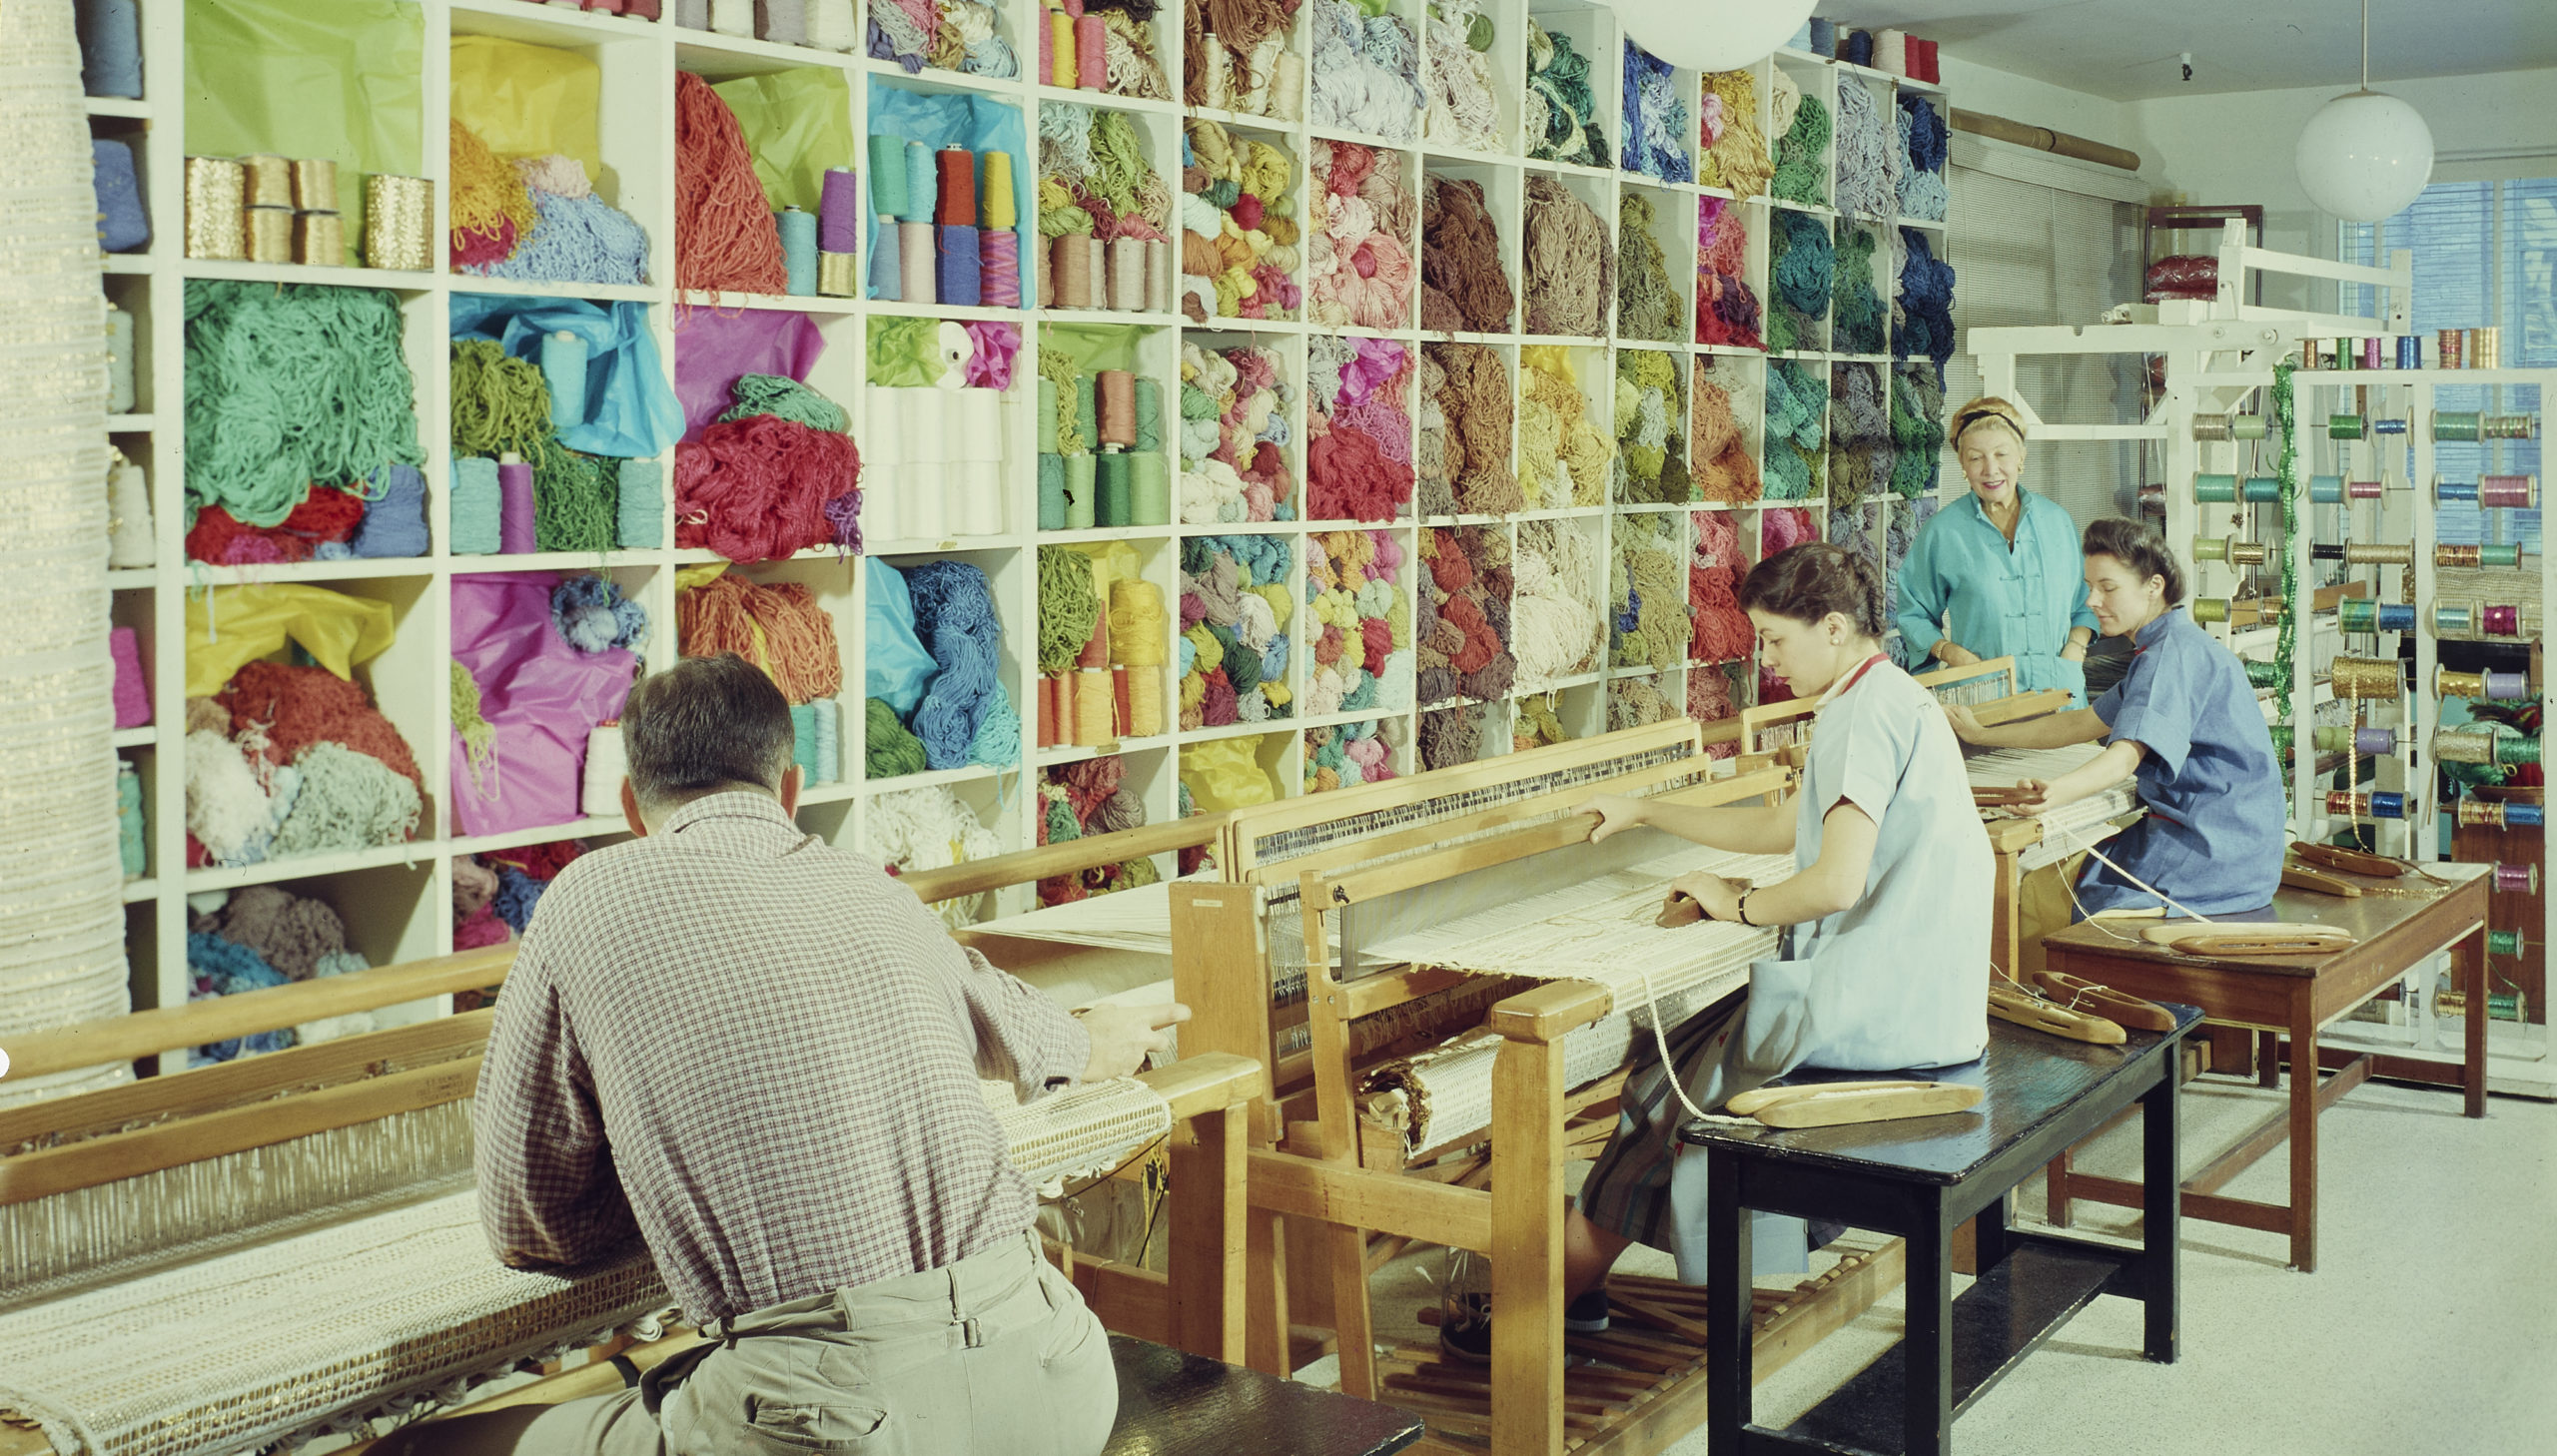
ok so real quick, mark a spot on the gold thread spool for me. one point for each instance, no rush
(315, 185)
(396, 211)
(2370, 679)
(2212, 427)
(2248, 553)
(270, 235)
(320, 238)
(839, 275)
(2449, 684)
(2480, 814)
(2210, 609)
(2486, 348)
(270, 180)
(2458, 558)
(215, 188)
(2379, 554)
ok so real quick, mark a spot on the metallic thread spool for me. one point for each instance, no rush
(2483, 814)
(2152, 498)
(2361, 614)
(839, 275)
(2264, 675)
(2508, 492)
(2458, 427)
(2368, 679)
(396, 211)
(2454, 493)
(320, 238)
(2380, 554)
(216, 194)
(2347, 426)
(270, 180)
(2411, 350)
(2508, 943)
(2210, 609)
(2210, 548)
(2367, 742)
(2508, 621)
(2212, 427)
(268, 234)
(2380, 805)
(2388, 427)
(2374, 353)
(2454, 620)
(2261, 489)
(2214, 489)
(2468, 341)
(2248, 553)
(2486, 349)
(2247, 427)
(2516, 879)
(2325, 490)
(2503, 687)
(2312, 354)
(2509, 426)
(2365, 489)
(2325, 551)
(2448, 348)
(315, 185)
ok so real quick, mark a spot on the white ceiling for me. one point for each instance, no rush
(2127, 49)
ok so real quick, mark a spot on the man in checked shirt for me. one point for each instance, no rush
(760, 1055)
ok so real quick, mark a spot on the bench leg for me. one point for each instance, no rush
(2161, 1209)
(1993, 1233)
(1729, 1357)
(2056, 1191)
(2269, 1059)
(2303, 1141)
(1926, 1381)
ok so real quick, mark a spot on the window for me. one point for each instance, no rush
(2485, 254)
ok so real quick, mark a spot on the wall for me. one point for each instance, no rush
(2041, 104)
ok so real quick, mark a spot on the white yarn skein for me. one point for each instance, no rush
(607, 767)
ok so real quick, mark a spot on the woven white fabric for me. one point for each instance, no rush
(61, 907)
(2071, 827)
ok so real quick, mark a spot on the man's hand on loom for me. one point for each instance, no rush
(1122, 1036)
(1615, 813)
(1719, 898)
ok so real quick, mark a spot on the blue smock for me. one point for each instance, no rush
(1999, 599)
(2216, 829)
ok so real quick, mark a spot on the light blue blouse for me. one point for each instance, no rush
(1999, 599)
(1894, 980)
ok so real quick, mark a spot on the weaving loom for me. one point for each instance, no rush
(1476, 975)
(299, 1231)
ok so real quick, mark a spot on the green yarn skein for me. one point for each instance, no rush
(292, 386)
(888, 750)
(1068, 606)
(787, 398)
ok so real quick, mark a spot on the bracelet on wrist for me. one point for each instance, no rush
(1740, 908)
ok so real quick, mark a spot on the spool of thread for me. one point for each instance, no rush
(2363, 489)
(475, 505)
(2458, 427)
(1070, 272)
(315, 185)
(1052, 493)
(1087, 408)
(2516, 879)
(217, 193)
(955, 194)
(1091, 53)
(2367, 742)
(269, 238)
(1058, 46)
(2386, 427)
(2210, 609)
(2379, 554)
(1096, 708)
(2361, 614)
(1118, 406)
(2449, 348)
(1287, 87)
(2502, 687)
(2261, 489)
(398, 213)
(2508, 492)
(1158, 276)
(2410, 352)
(1080, 502)
(119, 379)
(563, 370)
(1111, 505)
(997, 207)
(1128, 275)
(2454, 620)
(607, 767)
(2312, 354)
(2326, 489)
(2228, 427)
(320, 240)
(268, 179)
(2508, 621)
(887, 262)
(2509, 426)
(640, 525)
(829, 755)
(2347, 426)
(2486, 348)
(977, 498)
(2214, 489)
(839, 212)
(959, 273)
(1046, 695)
(131, 540)
(838, 275)
(2379, 805)
(2374, 353)
(2368, 679)
(2482, 814)
(132, 834)
(798, 251)
(887, 176)
(803, 741)
(917, 260)
(515, 512)
(922, 185)
(1097, 262)
(2248, 553)
(2508, 943)
(998, 267)
(1150, 489)
(1042, 281)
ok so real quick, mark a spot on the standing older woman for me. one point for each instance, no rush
(1996, 574)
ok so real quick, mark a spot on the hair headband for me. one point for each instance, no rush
(1968, 417)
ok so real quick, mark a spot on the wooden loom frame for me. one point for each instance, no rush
(116, 1132)
(1349, 1185)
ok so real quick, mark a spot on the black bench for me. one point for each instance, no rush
(1922, 1178)
(1176, 1404)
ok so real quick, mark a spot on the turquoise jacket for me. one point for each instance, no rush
(1999, 601)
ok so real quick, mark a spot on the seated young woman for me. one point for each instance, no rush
(1882, 961)
(2185, 725)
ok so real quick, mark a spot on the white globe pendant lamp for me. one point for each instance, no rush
(1712, 35)
(2365, 155)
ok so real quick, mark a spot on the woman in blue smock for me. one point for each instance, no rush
(1884, 956)
(1995, 575)
(2184, 722)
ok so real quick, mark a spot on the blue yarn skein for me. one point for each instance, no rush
(395, 515)
(1926, 300)
(593, 615)
(518, 895)
(576, 239)
(642, 515)
(1656, 119)
(955, 620)
(110, 48)
(220, 967)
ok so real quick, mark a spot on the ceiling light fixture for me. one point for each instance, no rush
(2365, 155)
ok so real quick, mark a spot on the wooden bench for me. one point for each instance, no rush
(1177, 1404)
(1922, 1178)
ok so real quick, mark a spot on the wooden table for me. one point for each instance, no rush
(1172, 1403)
(2289, 996)
(1922, 1178)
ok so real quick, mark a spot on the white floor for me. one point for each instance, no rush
(2429, 1327)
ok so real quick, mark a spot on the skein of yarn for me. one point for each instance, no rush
(726, 235)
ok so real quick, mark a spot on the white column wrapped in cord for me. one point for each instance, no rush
(61, 911)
